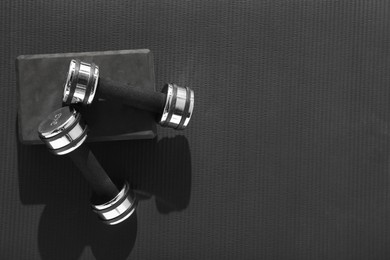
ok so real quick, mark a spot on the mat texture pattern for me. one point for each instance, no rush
(287, 155)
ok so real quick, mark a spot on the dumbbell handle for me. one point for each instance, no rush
(112, 206)
(93, 173)
(174, 105)
(64, 133)
(131, 95)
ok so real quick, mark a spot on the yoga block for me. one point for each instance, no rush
(41, 78)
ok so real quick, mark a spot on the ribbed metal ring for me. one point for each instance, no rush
(119, 208)
(178, 106)
(81, 83)
(63, 131)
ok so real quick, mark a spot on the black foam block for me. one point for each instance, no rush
(40, 86)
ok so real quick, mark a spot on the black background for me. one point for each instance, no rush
(286, 156)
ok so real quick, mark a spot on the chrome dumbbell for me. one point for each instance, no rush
(64, 132)
(174, 104)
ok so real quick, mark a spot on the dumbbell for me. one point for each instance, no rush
(83, 85)
(64, 133)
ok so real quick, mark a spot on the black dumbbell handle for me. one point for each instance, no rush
(64, 132)
(131, 95)
(83, 85)
(95, 175)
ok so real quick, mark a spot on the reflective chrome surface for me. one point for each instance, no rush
(63, 131)
(69, 78)
(178, 107)
(57, 122)
(81, 83)
(119, 208)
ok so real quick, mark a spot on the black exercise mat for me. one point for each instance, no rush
(287, 155)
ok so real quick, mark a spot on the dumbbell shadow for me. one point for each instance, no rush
(153, 168)
(161, 169)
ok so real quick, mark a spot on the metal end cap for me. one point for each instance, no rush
(178, 106)
(63, 130)
(119, 208)
(81, 83)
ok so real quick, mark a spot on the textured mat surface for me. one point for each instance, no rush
(286, 157)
